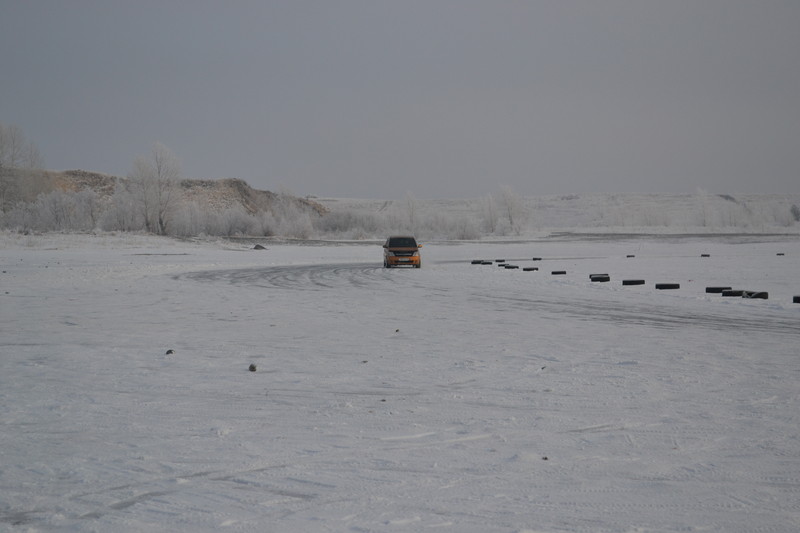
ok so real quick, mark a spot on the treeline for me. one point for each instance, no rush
(135, 206)
(154, 198)
(500, 214)
(151, 202)
(85, 210)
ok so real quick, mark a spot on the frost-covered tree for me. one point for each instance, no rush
(265, 223)
(703, 208)
(411, 210)
(512, 208)
(189, 220)
(236, 221)
(123, 213)
(12, 142)
(56, 210)
(16, 151)
(154, 184)
(489, 214)
(18, 158)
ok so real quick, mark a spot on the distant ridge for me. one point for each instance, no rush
(217, 194)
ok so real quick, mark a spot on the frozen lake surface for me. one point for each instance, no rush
(456, 397)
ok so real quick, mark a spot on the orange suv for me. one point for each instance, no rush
(401, 250)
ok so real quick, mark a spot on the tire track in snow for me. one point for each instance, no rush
(369, 275)
(641, 314)
(296, 277)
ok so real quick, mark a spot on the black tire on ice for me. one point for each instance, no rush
(667, 286)
(756, 295)
(729, 293)
(717, 290)
(530, 269)
(633, 282)
(559, 273)
(796, 300)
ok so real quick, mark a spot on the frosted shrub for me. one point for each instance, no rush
(438, 225)
(266, 224)
(489, 214)
(20, 218)
(398, 219)
(121, 214)
(235, 221)
(188, 220)
(349, 225)
(297, 226)
(56, 211)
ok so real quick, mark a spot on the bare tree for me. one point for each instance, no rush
(489, 212)
(11, 146)
(32, 157)
(16, 151)
(511, 205)
(411, 210)
(122, 213)
(18, 158)
(8, 182)
(703, 201)
(154, 184)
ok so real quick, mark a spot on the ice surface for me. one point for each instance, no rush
(456, 397)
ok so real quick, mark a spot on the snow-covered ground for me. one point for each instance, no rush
(456, 397)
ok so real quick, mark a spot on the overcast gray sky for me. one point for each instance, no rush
(437, 98)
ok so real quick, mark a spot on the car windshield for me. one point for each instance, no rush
(402, 242)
